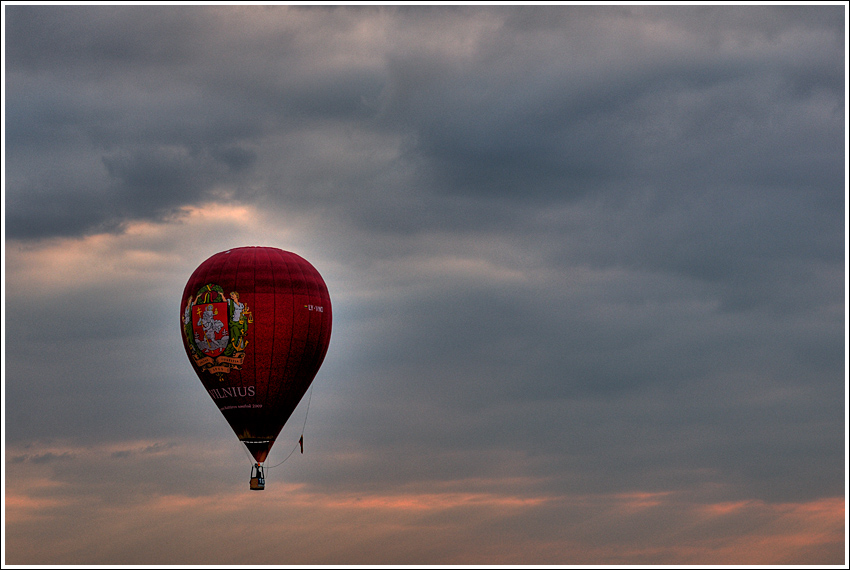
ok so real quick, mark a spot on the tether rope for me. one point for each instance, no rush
(248, 453)
(309, 399)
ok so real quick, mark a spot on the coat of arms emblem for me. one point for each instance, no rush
(215, 327)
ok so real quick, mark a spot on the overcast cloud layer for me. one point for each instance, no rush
(588, 269)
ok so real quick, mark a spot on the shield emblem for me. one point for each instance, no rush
(209, 324)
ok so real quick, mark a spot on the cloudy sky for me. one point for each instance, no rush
(587, 266)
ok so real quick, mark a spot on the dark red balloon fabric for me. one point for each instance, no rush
(256, 324)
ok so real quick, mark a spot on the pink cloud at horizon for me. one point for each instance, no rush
(49, 521)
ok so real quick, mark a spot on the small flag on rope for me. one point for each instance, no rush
(301, 441)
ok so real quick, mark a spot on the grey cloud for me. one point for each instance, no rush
(524, 119)
(42, 458)
(159, 148)
(164, 179)
(597, 250)
(562, 123)
(55, 37)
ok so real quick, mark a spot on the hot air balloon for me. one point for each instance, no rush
(256, 324)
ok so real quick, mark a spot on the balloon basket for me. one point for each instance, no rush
(258, 478)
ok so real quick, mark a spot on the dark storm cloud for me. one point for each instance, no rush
(591, 249)
(144, 125)
(627, 108)
(701, 143)
(553, 103)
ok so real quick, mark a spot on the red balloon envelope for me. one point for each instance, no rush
(256, 323)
